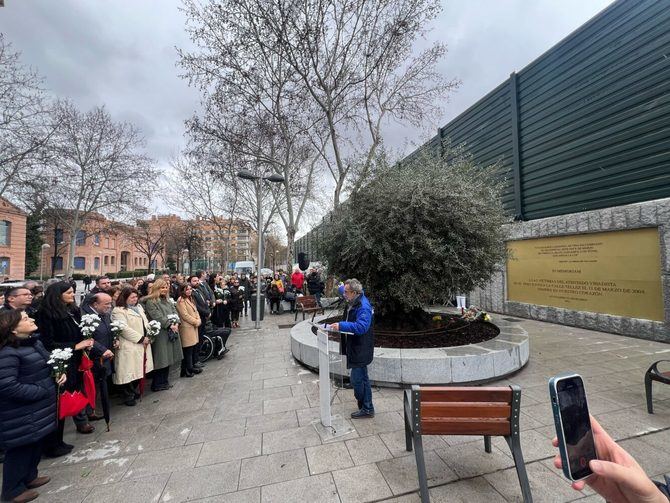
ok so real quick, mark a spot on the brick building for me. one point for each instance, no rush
(102, 247)
(215, 244)
(12, 241)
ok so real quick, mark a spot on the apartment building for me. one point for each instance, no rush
(12, 241)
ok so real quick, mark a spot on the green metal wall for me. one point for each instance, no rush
(584, 126)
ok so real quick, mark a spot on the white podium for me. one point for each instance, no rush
(329, 425)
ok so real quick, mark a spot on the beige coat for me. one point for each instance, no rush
(128, 362)
(190, 321)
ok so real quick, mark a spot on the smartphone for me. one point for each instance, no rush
(573, 424)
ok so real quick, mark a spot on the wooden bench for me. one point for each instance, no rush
(487, 411)
(307, 304)
(653, 374)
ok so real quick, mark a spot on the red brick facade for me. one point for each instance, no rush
(12, 241)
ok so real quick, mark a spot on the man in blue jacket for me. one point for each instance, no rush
(358, 319)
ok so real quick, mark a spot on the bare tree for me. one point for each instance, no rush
(253, 105)
(355, 60)
(97, 167)
(207, 191)
(26, 124)
(148, 238)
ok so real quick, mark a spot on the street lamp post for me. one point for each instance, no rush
(258, 182)
(45, 246)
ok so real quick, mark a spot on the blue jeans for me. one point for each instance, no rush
(362, 390)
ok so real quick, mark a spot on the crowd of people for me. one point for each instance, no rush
(141, 328)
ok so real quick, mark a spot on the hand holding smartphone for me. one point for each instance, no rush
(573, 425)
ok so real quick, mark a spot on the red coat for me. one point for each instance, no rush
(297, 279)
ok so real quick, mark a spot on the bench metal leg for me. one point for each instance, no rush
(647, 392)
(295, 318)
(421, 468)
(515, 446)
(408, 419)
(487, 443)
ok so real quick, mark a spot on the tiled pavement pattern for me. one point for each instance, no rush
(241, 432)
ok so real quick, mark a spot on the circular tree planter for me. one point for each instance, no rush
(472, 363)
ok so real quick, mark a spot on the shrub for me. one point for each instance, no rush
(419, 233)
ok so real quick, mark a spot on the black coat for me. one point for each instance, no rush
(314, 283)
(103, 340)
(202, 303)
(63, 333)
(236, 298)
(27, 394)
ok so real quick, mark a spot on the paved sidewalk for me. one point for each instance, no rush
(241, 432)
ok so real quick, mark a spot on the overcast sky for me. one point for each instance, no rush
(122, 54)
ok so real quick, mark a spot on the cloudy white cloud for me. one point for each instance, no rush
(122, 54)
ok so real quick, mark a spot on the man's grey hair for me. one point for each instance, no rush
(354, 285)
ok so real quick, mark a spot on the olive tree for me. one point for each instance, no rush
(419, 233)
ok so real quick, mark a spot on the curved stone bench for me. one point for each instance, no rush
(473, 363)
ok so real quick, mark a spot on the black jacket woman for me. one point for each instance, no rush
(27, 404)
(236, 302)
(221, 310)
(58, 321)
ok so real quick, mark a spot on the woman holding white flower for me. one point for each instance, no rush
(58, 319)
(188, 330)
(166, 347)
(134, 348)
(27, 404)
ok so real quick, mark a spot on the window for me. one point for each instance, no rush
(58, 264)
(106, 242)
(113, 258)
(58, 235)
(5, 263)
(5, 233)
(80, 263)
(106, 260)
(136, 264)
(81, 238)
(96, 239)
(96, 263)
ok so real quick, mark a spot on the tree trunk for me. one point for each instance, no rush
(290, 239)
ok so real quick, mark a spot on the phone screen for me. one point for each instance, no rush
(577, 430)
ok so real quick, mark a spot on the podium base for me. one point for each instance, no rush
(339, 428)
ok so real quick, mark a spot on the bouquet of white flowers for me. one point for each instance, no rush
(58, 359)
(89, 322)
(173, 319)
(154, 330)
(117, 328)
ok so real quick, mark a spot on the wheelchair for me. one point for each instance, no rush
(214, 342)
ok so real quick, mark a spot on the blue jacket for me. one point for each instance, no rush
(27, 394)
(359, 320)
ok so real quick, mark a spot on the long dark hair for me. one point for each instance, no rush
(212, 280)
(182, 289)
(122, 300)
(9, 320)
(53, 306)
